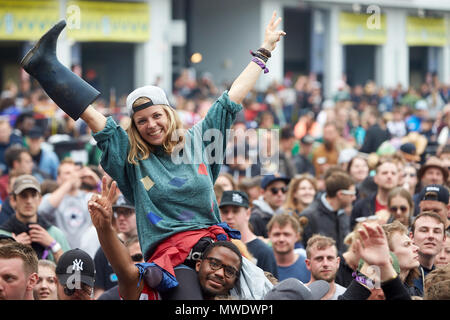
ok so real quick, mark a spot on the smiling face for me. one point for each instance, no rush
(359, 169)
(152, 124)
(305, 192)
(216, 282)
(428, 236)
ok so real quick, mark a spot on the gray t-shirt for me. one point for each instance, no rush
(71, 216)
(339, 290)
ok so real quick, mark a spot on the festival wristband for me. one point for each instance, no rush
(366, 282)
(261, 64)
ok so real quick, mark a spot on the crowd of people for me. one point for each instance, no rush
(352, 205)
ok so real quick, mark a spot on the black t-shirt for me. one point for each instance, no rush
(105, 277)
(344, 274)
(264, 256)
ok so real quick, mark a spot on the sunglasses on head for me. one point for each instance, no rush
(401, 208)
(276, 190)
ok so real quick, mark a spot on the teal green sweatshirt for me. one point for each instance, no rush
(168, 197)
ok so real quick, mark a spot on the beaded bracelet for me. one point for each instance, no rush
(265, 52)
(259, 55)
(261, 64)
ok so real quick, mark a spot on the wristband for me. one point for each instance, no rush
(259, 55)
(366, 282)
(55, 246)
(265, 52)
(261, 64)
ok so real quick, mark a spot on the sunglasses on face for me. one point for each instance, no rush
(276, 190)
(216, 264)
(394, 209)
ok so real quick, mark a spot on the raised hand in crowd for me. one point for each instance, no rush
(100, 207)
(374, 250)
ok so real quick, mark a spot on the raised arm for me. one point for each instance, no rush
(247, 79)
(115, 251)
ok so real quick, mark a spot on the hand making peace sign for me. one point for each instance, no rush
(272, 35)
(100, 207)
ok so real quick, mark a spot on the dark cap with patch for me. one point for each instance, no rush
(435, 192)
(234, 198)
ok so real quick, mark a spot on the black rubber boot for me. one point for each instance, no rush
(71, 93)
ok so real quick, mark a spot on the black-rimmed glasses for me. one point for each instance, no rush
(216, 264)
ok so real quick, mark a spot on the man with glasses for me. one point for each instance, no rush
(386, 179)
(219, 269)
(234, 210)
(326, 215)
(269, 203)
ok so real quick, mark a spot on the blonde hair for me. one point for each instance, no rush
(391, 229)
(321, 242)
(139, 148)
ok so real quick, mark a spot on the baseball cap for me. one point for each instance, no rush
(434, 192)
(268, 179)
(122, 202)
(234, 198)
(155, 94)
(409, 152)
(73, 262)
(35, 133)
(26, 181)
(294, 289)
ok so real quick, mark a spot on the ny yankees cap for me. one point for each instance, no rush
(234, 198)
(156, 95)
(75, 266)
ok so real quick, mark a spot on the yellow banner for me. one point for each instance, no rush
(108, 21)
(368, 29)
(27, 20)
(426, 31)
